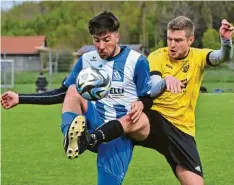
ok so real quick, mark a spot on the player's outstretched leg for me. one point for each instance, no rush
(75, 140)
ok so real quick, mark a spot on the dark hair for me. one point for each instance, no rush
(103, 23)
(182, 23)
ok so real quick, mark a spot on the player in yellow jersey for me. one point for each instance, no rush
(176, 73)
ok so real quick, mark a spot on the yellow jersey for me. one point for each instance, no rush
(179, 108)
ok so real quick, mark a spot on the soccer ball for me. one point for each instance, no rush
(93, 83)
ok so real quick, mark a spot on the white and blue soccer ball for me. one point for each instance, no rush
(93, 83)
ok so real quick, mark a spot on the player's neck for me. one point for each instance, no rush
(117, 51)
(180, 58)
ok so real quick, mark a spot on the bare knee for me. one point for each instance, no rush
(72, 92)
(73, 101)
(187, 177)
(139, 130)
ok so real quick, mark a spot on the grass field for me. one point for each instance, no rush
(32, 151)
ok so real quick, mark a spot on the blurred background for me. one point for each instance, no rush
(47, 37)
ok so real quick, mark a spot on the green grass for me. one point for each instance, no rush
(219, 75)
(32, 151)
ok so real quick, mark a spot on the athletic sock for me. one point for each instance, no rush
(67, 118)
(107, 132)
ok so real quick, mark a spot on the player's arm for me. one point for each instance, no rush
(169, 83)
(10, 99)
(46, 98)
(143, 82)
(217, 57)
(143, 86)
(160, 83)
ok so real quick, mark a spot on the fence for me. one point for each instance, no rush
(55, 66)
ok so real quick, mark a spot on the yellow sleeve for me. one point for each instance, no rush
(155, 63)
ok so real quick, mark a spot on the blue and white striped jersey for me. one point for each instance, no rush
(130, 75)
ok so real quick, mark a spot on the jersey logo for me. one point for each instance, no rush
(116, 92)
(116, 76)
(167, 65)
(185, 68)
(185, 82)
(198, 168)
(93, 58)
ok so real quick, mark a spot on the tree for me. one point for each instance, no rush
(211, 39)
(65, 24)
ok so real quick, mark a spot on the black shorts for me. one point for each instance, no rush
(178, 147)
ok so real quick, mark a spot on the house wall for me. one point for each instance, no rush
(25, 62)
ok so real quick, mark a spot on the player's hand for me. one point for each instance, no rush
(226, 30)
(9, 99)
(136, 111)
(173, 84)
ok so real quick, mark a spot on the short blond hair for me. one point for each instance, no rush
(182, 23)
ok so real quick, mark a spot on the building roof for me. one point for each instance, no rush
(21, 44)
(87, 48)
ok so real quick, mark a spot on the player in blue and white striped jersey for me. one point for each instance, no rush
(130, 79)
(129, 71)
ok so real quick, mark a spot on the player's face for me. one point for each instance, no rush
(178, 44)
(107, 44)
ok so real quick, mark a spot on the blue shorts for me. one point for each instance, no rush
(113, 157)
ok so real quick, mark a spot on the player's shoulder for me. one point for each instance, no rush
(133, 52)
(134, 55)
(199, 55)
(91, 54)
(91, 57)
(200, 51)
(159, 53)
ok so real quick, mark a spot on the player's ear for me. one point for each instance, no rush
(117, 37)
(191, 39)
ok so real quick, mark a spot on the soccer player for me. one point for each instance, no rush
(130, 94)
(179, 70)
(176, 74)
